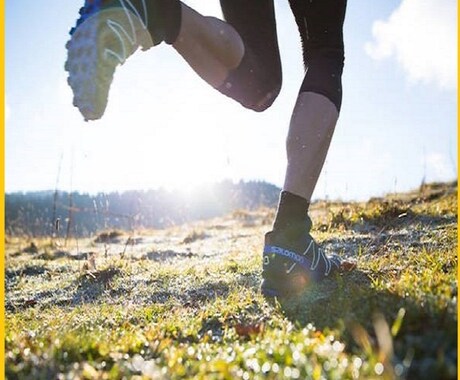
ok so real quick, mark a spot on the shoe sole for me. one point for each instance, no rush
(270, 293)
(97, 46)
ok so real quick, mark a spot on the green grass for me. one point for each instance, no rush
(185, 302)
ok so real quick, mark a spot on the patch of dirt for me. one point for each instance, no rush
(161, 256)
(32, 270)
(194, 236)
(32, 248)
(109, 237)
(59, 254)
(102, 277)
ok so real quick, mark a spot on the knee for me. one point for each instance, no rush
(324, 47)
(262, 100)
(253, 85)
(324, 54)
(324, 73)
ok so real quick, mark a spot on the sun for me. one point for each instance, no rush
(180, 151)
(188, 157)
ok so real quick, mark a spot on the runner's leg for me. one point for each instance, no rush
(291, 258)
(239, 57)
(318, 105)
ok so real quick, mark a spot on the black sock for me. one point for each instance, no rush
(292, 214)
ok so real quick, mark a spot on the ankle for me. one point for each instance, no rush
(292, 213)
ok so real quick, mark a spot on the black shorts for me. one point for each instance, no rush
(320, 25)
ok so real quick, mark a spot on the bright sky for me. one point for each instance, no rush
(165, 127)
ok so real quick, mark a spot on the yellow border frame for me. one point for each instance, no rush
(2, 186)
(458, 193)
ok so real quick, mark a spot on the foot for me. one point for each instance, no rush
(292, 261)
(106, 34)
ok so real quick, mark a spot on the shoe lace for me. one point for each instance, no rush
(318, 255)
(92, 6)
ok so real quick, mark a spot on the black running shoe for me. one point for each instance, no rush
(293, 261)
(106, 34)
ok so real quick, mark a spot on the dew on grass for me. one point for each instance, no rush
(296, 355)
(378, 368)
(287, 371)
(266, 367)
(295, 373)
(399, 369)
(357, 363)
(337, 346)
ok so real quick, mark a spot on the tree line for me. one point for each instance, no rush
(56, 213)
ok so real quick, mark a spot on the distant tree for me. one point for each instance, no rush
(30, 213)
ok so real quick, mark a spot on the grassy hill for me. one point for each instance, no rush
(184, 302)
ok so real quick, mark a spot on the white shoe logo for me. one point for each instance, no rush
(120, 31)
